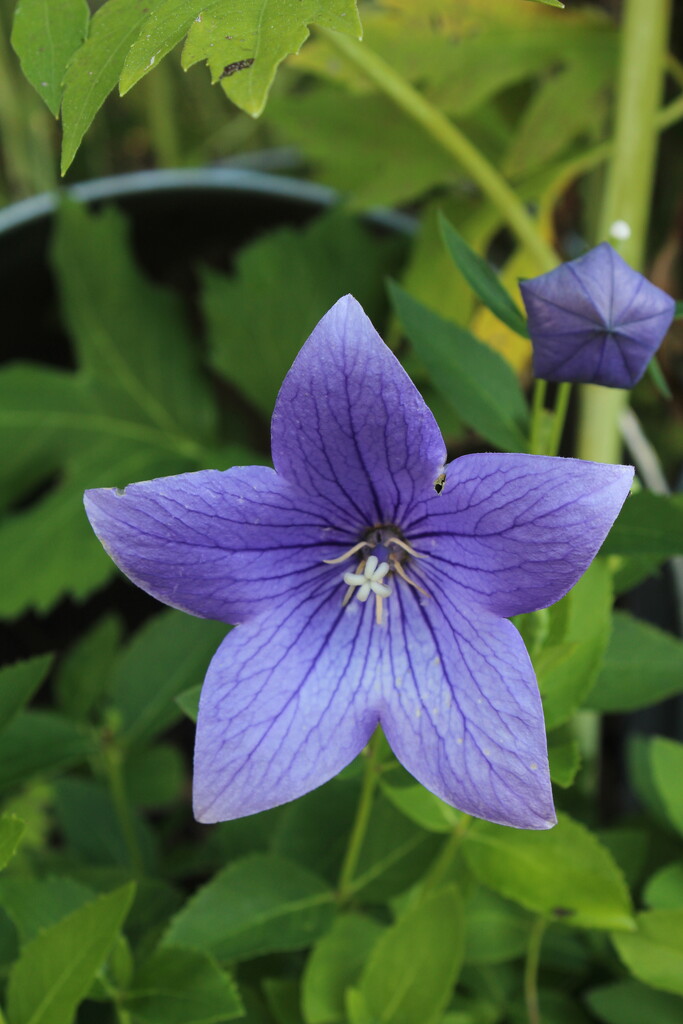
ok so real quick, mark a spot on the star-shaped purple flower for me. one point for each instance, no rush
(371, 583)
(595, 320)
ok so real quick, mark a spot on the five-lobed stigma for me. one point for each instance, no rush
(372, 570)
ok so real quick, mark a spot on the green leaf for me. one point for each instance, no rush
(163, 28)
(313, 831)
(83, 674)
(630, 848)
(40, 741)
(649, 524)
(283, 996)
(95, 68)
(471, 376)
(155, 776)
(666, 762)
(654, 953)
(303, 272)
(395, 854)
(564, 873)
(188, 701)
(19, 682)
(643, 666)
(417, 803)
(656, 375)
(52, 536)
(483, 279)
(55, 970)
(45, 35)
(549, 3)
(629, 1002)
(243, 46)
(168, 654)
(413, 967)
(260, 904)
(158, 383)
(335, 963)
(11, 831)
(34, 904)
(41, 416)
(182, 986)
(569, 103)
(568, 665)
(91, 825)
(664, 891)
(564, 754)
(497, 930)
(639, 750)
(370, 167)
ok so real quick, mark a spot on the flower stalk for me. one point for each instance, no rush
(447, 135)
(533, 959)
(362, 819)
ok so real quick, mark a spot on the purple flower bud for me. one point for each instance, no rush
(595, 320)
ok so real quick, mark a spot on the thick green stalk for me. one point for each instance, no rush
(447, 135)
(628, 193)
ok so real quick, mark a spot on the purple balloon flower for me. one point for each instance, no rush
(371, 584)
(595, 320)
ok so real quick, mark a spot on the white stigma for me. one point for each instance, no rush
(369, 581)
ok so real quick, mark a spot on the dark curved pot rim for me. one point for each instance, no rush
(226, 179)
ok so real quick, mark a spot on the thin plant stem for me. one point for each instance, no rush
(628, 193)
(161, 117)
(533, 959)
(564, 392)
(592, 158)
(451, 139)
(113, 765)
(447, 854)
(362, 819)
(537, 414)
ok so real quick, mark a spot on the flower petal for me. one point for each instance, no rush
(517, 531)
(222, 545)
(350, 425)
(287, 703)
(462, 710)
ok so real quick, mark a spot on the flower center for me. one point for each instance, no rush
(389, 552)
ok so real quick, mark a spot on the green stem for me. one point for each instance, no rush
(537, 416)
(628, 193)
(447, 854)
(564, 392)
(592, 158)
(362, 819)
(449, 137)
(161, 117)
(533, 959)
(113, 765)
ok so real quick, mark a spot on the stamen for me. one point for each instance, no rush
(378, 608)
(397, 567)
(406, 547)
(347, 554)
